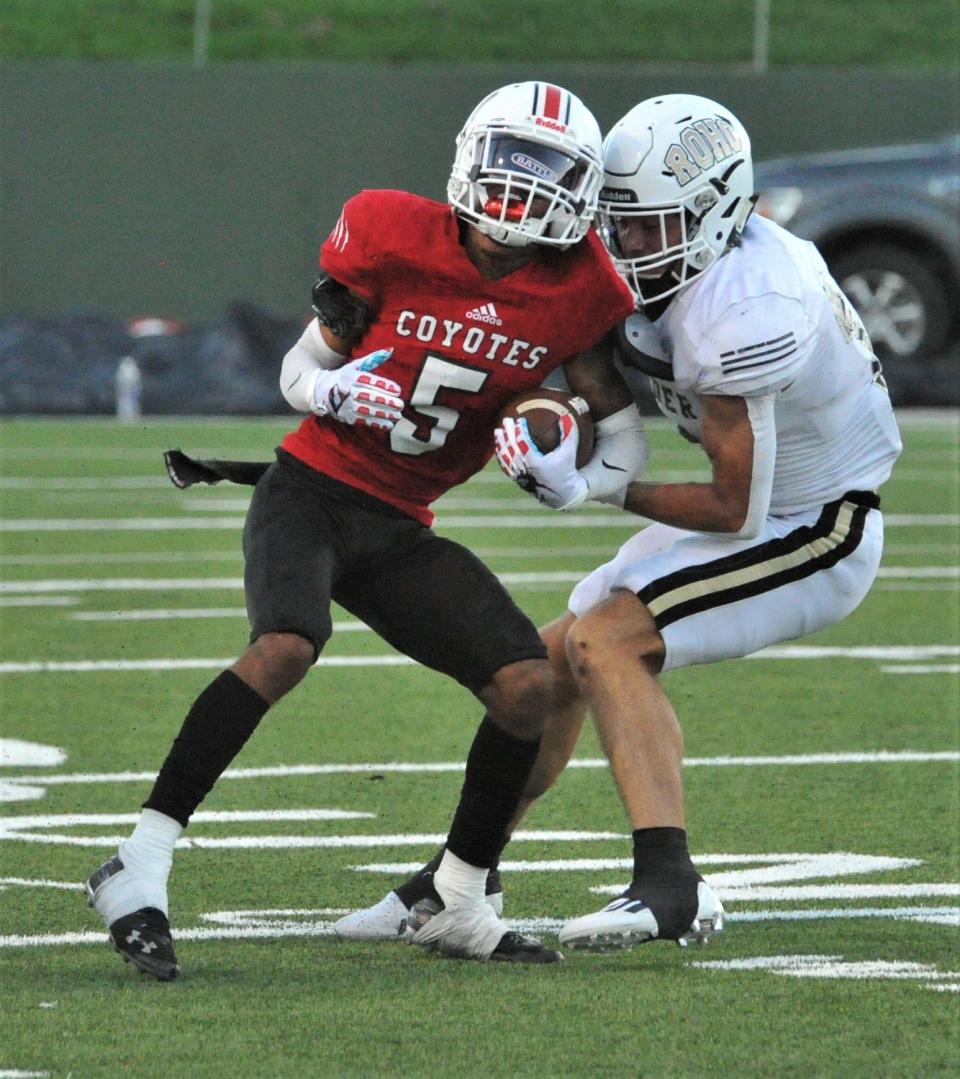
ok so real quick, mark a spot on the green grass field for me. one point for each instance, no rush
(822, 784)
(881, 33)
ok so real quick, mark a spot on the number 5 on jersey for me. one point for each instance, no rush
(435, 422)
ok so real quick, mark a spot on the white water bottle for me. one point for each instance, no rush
(128, 383)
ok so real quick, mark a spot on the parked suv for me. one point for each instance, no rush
(887, 221)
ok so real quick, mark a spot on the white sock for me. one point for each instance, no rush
(147, 857)
(459, 883)
(149, 850)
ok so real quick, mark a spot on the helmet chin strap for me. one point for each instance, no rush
(509, 239)
(500, 235)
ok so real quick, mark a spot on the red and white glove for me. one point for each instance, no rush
(552, 478)
(351, 394)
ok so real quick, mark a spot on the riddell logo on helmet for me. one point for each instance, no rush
(553, 125)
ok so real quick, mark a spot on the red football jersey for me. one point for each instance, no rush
(463, 346)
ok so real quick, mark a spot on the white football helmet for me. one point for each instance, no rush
(525, 142)
(677, 191)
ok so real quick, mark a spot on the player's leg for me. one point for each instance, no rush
(615, 652)
(386, 920)
(697, 599)
(439, 604)
(129, 891)
(563, 722)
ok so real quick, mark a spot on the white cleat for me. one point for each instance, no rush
(627, 922)
(467, 932)
(386, 920)
(474, 932)
(391, 920)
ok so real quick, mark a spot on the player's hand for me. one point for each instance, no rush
(552, 478)
(353, 394)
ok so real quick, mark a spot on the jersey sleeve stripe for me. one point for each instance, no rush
(759, 344)
(743, 364)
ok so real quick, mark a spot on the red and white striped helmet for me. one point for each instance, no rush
(525, 142)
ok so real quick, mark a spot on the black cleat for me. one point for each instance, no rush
(143, 938)
(515, 948)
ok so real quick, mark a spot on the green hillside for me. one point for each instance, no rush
(834, 33)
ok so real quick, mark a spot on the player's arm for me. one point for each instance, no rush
(620, 448)
(593, 376)
(315, 375)
(739, 437)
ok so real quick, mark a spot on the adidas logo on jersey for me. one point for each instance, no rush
(486, 313)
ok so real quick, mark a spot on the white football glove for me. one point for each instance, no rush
(351, 394)
(552, 478)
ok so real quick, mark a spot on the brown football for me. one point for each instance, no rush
(542, 409)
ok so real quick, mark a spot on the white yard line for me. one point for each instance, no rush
(117, 524)
(122, 584)
(940, 587)
(234, 554)
(173, 613)
(38, 601)
(229, 497)
(536, 519)
(443, 767)
(791, 652)
(84, 666)
(160, 584)
(924, 668)
(918, 572)
(813, 651)
(256, 925)
(105, 558)
(600, 551)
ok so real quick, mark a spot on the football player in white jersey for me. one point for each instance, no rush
(752, 349)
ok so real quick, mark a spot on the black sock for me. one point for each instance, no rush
(420, 885)
(665, 878)
(498, 767)
(221, 720)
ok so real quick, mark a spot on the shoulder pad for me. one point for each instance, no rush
(630, 341)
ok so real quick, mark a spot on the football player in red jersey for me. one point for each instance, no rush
(430, 319)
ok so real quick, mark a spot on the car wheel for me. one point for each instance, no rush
(903, 303)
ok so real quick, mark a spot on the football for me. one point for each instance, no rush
(542, 409)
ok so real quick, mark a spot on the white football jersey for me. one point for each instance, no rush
(768, 319)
